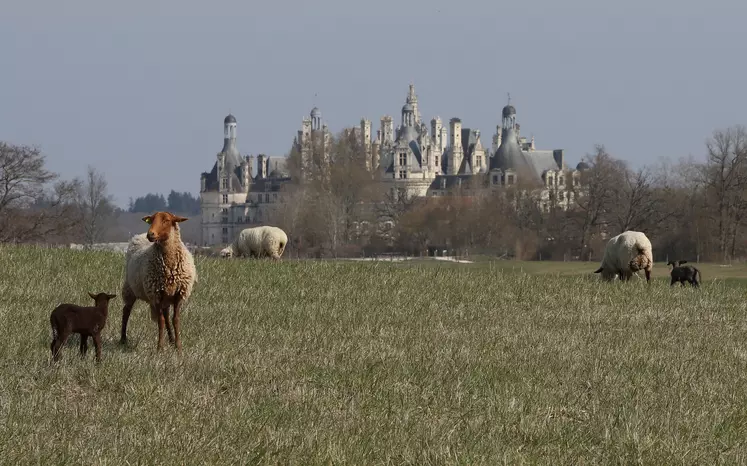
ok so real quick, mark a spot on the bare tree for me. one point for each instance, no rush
(725, 178)
(31, 209)
(596, 194)
(95, 205)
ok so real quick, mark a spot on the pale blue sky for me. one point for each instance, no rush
(140, 88)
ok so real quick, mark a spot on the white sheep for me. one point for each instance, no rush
(160, 270)
(262, 241)
(626, 254)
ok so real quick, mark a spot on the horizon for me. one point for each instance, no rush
(108, 86)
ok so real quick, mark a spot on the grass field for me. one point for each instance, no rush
(305, 362)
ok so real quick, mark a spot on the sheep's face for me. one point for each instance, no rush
(161, 226)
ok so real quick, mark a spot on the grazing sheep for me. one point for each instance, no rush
(263, 241)
(160, 270)
(626, 254)
(88, 321)
(686, 273)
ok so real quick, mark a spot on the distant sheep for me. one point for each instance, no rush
(686, 273)
(262, 241)
(626, 254)
(88, 321)
(160, 270)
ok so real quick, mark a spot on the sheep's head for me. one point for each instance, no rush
(161, 226)
(639, 262)
(227, 252)
(102, 298)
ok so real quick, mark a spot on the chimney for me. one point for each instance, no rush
(558, 156)
(261, 167)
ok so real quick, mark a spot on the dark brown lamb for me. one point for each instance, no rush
(88, 321)
(684, 273)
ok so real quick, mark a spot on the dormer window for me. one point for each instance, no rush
(560, 181)
(403, 158)
(224, 183)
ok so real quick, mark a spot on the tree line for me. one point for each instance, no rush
(37, 206)
(690, 208)
(184, 202)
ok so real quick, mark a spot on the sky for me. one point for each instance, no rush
(139, 89)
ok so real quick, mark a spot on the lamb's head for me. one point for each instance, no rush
(102, 298)
(162, 224)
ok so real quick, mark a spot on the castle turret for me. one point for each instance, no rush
(456, 151)
(229, 140)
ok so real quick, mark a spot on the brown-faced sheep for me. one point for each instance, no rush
(160, 270)
(88, 321)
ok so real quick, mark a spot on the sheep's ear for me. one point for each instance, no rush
(180, 219)
(93, 296)
(111, 296)
(148, 219)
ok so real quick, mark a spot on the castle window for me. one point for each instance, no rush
(225, 198)
(402, 174)
(274, 197)
(560, 181)
(224, 183)
(225, 231)
(561, 195)
(403, 158)
(495, 179)
(510, 179)
(478, 161)
(267, 198)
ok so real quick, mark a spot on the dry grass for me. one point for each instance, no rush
(361, 363)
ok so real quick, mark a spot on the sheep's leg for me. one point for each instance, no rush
(97, 342)
(176, 319)
(165, 312)
(57, 345)
(648, 275)
(83, 344)
(126, 310)
(155, 311)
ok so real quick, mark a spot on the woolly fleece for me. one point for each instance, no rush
(623, 250)
(146, 274)
(260, 242)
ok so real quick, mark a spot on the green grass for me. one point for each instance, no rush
(305, 362)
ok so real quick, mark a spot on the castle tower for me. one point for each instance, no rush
(387, 130)
(436, 126)
(366, 140)
(457, 152)
(316, 119)
(229, 140)
(412, 99)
